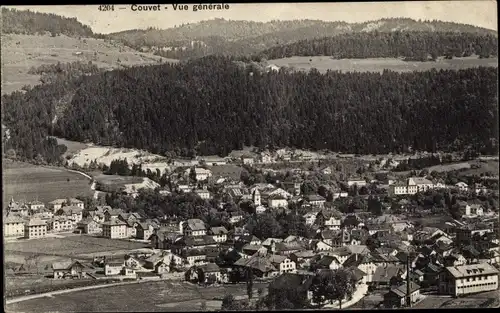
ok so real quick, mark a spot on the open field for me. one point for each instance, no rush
(152, 297)
(29, 182)
(105, 155)
(21, 52)
(71, 246)
(129, 183)
(486, 166)
(73, 146)
(232, 171)
(324, 63)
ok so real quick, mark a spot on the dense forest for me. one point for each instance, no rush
(33, 23)
(414, 45)
(225, 107)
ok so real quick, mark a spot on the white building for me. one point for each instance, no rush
(467, 279)
(114, 229)
(462, 186)
(357, 182)
(474, 210)
(412, 186)
(13, 226)
(277, 201)
(35, 228)
(203, 193)
(200, 173)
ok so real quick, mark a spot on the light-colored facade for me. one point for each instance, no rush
(35, 229)
(278, 202)
(13, 227)
(474, 210)
(467, 279)
(357, 182)
(114, 229)
(204, 194)
(412, 186)
(60, 223)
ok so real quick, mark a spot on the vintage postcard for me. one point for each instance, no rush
(264, 156)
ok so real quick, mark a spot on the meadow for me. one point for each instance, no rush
(21, 52)
(324, 63)
(28, 182)
(70, 246)
(151, 297)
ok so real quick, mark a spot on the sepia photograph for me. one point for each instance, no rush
(250, 157)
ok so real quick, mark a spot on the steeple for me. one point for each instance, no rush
(256, 197)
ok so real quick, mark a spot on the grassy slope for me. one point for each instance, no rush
(21, 52)
(324, 63)
(29, 182)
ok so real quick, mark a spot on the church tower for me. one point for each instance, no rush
(256, 197)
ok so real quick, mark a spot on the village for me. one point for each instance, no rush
(372, 228)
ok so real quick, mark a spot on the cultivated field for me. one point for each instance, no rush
(324, 63)
(29, 182)
(152, 297)
(20, 52)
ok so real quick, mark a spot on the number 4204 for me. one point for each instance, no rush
(106, 7)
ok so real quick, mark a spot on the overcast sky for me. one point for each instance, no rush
(481, 13)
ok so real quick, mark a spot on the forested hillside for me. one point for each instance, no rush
(238, 38)
(414, 45)
(225, 107)
(33, 23)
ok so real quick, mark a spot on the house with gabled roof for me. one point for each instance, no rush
(397, 296)
(73, 212)
(282, 263)
(89, 226)
(70, 269)
(327, 262)
(144, 230)
(315, 200)
(261, 266)
(320, 245)
(383, 274)
(218, 233)
(194, 227)
(110, 214)
(277, 201)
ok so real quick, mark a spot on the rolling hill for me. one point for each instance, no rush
(31, 39)
(237, 38)
(21, 52)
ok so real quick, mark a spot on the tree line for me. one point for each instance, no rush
(416, 45)
(34, 23)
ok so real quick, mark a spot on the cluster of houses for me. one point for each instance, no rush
(421, 184)
(34, 219)
(458, 258)
(444, 259)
